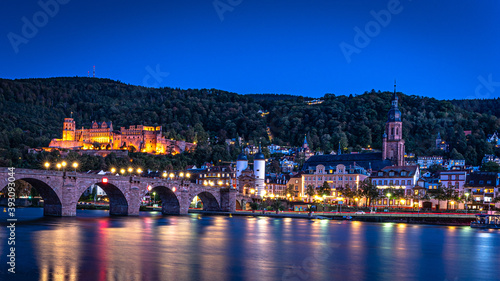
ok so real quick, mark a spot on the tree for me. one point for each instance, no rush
(369, 191)
(290, 190)
(310, 191)
(325, 189)
(349, 193)
(456, 155)
(490, 167)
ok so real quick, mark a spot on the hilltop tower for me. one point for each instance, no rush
(393, 145)
(69, 129)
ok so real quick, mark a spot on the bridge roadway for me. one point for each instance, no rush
(62, 190)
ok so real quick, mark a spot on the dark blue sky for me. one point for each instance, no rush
(443, 49)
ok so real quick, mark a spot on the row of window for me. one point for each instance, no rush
(391, 182)
(327, 178)
(392, 174)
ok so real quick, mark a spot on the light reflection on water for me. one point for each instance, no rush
(93, 246)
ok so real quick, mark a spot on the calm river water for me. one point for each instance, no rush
(94, 246)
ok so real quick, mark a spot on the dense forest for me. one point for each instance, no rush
(32, 112)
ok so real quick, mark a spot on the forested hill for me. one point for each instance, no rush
(32, 112)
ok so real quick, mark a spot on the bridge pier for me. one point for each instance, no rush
(184, 201)
(228, 199)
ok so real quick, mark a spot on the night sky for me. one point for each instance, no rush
(443, 49)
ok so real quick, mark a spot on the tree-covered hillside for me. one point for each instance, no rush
(32, 112)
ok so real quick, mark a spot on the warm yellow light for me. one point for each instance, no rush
(188, 175)
(47, 164)
(130, 169)
(402, 201)
(263, 193)
(220, 182)
(164, 175)
(139, 170)
(113, 170)
(122, 171)
(58, 165)
(181, 174)
(272, 196)
(75, 165)
(452, 202)
(64, 163)
(288, 195)
(171, 175)
(205, 183)
(356, 199)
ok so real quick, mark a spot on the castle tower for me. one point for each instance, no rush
(241, 164)
(393, 145)
(259, 170)
(69, 129)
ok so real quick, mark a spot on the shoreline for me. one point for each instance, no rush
(430, 219)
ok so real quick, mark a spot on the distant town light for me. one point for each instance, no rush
(104, 180)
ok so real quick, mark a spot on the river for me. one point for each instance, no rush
(94, 246)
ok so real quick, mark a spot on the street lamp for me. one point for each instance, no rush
(324, 204)
(130, 170)
(47, 165)
(113, 170)
(122, 171)
(58, 166)
(389, 199)
(164, 175)
(154, 198)
(64, 165)
(466, 201)
(75, 165)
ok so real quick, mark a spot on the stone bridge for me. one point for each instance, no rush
(62, 190)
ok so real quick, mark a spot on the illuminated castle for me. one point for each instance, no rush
(139, 138)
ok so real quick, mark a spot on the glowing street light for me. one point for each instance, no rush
(130, 170)
(75, 165)
(164, 175)
(171, 176)
(466, 201)
(139, 171)
(58, 166)
(122, 171)
(47, 165)
(113, 170)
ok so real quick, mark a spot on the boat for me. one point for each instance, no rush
(484, 221)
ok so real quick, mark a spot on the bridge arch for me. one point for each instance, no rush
(169, 202)
(209, 200)
(52, 205)
(238, 205)
(118, 204)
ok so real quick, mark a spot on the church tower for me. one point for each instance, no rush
(393, 145)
